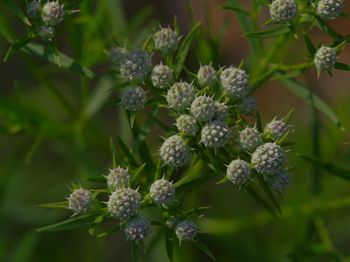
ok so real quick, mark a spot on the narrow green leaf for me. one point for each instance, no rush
(17, 11)
(273, 32)
(268, 192)
(75, 222)
(97, 179)
(204, 248)
(17, 45)
(342, 66)
(259, 199)
(158, 174)
(134, 254)
(129, 156)
(237, 10)
(138, 172)
(311, 98)
(169, 244)
(184, 49)
(258, 122)
(65, 61)
(257, 82)
(327, 29)
(309, 45)
(61, 204)
(329, 167)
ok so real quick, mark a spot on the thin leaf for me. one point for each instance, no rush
(204, 248)
(17, 11)
(327, 29)
(273, 32)
(309, 45)
(184, 49)
(237, 10)
(342, 66)
(169, 244)
(311, 98)
(97, 179)
(268, 192)
(75, 222)
(329, 167)
(259, 199)
(129, 156)
(138, 172)
(17, 45)
(61, 204)
(65, 61)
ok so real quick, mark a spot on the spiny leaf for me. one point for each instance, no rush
(61, 204)
(329, 167)
(17, 11)
(184, 49)
(204, 248)
(273, 32)
(80, 221)
(65, 61)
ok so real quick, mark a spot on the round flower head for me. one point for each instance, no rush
(247, 106)
(221, 112)
(162, 76)
(174, 151)
(283, 11)
(46, 32)
(206, 75)
(186, 230)
(280, 181)
(238, 172)
(166, 40)
(325, 58)
(187, 124)
(118, 55)
(118, 177)
(215, 134)
(249, 139)
(137, 228)
(52, 13)
(268, 159)
(329, 9)
(133, 98)
(180, 95)
(124, 203)
(136, 66)
(79, 201)
(162, 192)
(276, 129)
(203, 108)
(33, 9)
(234, 81)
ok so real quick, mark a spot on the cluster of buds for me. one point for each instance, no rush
(46, 17)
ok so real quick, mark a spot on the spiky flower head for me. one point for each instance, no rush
(203, 108)
(166, 40)
(162, 76)
(280, 181)
(117, 178)
(186, 230)
(249, 139)
(118, 55)
(215, 134)
(33, 8)
(234, 81)
(175, 152)
(180, 95)
(268, 159)
(133, 98)
(136, 66)
(187, 124)
(79, 201)
(162, 192)
(221, 111)
(325, 58)
(137, 228)
(276, 129)
(206, 75)
(247, 106)
(124, 203)
(283, 11)
(52, 13)
(238, 172)
(46, 32)
(329, 9)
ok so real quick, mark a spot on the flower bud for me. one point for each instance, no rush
(175, 152)
(79, 201)
(52, 13)
(283, 11)
(133, 98)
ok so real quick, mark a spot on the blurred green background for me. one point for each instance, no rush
(55, 128)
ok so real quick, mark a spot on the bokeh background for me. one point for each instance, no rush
(47, 140)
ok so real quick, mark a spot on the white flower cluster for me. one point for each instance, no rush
(51, 14)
